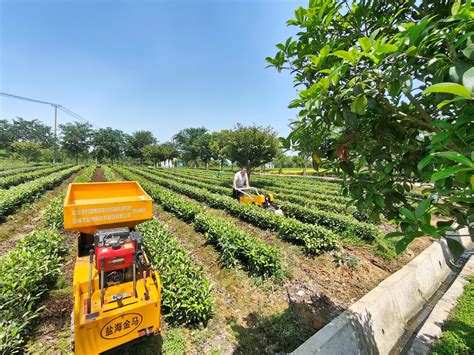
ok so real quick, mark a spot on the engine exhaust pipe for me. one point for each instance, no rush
(89, 286)
(144, 286)
(102, 281)
(134, 268)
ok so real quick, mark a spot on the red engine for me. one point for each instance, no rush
(114, 256)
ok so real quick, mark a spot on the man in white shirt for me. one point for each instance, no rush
(241, 180)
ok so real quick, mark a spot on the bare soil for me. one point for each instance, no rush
(98, 175)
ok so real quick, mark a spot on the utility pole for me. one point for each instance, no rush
(55, 132)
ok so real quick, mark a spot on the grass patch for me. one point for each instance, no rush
(174, 341)
(458, 331)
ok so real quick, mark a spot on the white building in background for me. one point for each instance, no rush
(167, 163)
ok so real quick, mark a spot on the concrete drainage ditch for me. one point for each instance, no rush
(387, 319)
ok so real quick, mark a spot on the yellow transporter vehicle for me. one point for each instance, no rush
(117, 290)
(251, 196)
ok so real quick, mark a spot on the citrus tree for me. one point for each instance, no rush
(385, 93)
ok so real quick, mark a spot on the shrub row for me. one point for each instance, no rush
(108, 173)
(20, 178)
(306, 183)
(233, 244)
(53, 215)
(345, 225)
(315, 193)
(13, 167)
(26, 273)
(300, 233)
(31, 270)
(214, 186)
(324, 201)
(16, 196)
(18, 170)
(186, 293)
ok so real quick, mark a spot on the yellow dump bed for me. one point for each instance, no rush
(92, 206)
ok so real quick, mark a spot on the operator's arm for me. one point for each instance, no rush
(247, 181)
(234, 184)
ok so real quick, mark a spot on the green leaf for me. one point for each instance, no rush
(455, 8)
(422, 207)
(424, 162)
(442, 174)
(430, 230)
(365, 44)
(393, 235)
(407, 213)
(441, 137)
(388, 168)
(444, 223)
(441, 124)
(448, 88)
(349, 118)
(468, 80)
(359, 105)
(344, 55)
(457, 71)
(394, 87)
(469, 52)
(379, 201)
(455, 156)
(403, 244)
(463, 38)
(386, 48)
(446, 102)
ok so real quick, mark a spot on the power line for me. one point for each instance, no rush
(28, 99)
(57, 106)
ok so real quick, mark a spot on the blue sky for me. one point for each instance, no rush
(156, 65)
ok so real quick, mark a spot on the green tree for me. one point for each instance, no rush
(32, 131)
(169, 150)
(193, 144)
(219, 146)
(6, 134)
(136, 141)
(154, 152)
(253, 146)
(47, 155)
(76, 138)
(159, 152)
(301, 160)
(386, 95)
(283, 161)
(28, 150)
(108, 143)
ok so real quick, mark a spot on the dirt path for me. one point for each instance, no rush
(17, 225)
(98, 175)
